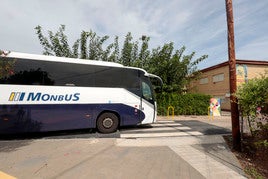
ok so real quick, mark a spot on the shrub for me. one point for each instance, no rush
(184, 104)
(253, 100)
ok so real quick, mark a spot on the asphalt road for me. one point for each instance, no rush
(188, 147)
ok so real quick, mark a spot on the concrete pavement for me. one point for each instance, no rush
(183, 147)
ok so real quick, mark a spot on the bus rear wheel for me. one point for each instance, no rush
(107, 123)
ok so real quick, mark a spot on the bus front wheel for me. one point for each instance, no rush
(107, 123)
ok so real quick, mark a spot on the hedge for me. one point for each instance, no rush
(184, 104)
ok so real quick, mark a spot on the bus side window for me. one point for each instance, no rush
(146, 92)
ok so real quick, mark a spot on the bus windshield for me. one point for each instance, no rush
(146, 92)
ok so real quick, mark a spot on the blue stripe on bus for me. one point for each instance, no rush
(22, 96)
(53, 117)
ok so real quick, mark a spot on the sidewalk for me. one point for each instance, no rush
(210, 156)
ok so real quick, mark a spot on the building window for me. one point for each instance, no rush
(217, 78)
(203, 81)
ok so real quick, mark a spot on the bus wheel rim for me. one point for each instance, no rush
(107, 122)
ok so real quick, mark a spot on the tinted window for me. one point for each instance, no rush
(33, 72)
(117, 78)
(11, 73)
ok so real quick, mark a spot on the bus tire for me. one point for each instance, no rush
(107, 123)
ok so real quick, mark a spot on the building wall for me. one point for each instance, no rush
(255, 71)
(217, 89)
(220, 89)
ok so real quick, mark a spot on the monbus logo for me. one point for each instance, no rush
(22, 96)
(16, 96)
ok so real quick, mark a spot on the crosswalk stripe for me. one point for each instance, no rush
(165, 121)
(163, 129)
(169, 134)
(166, 124)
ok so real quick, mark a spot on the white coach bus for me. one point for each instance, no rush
(46, 93)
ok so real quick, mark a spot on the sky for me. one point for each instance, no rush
(200, 25)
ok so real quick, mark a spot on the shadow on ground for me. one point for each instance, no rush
(205, 128)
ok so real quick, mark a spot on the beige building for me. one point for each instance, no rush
(215, 80)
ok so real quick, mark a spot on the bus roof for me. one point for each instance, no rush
(57, 59)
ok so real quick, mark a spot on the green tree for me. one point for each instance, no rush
(83, 44)
(57, 44)
(115, 54)
(174, 68)
(134, 53)
(144, 54)
(126, 53)
(96, 51)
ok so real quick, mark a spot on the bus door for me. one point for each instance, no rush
(148, 105)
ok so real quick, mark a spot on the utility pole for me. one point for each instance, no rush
(232, 76)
